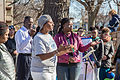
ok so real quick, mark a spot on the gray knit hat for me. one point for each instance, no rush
(43, 19)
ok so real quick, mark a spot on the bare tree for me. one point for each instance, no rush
(117, 2)
(77, 12)
(109, 4)
(57, 9)
(92, 7)
(103, 19)
(28, 8)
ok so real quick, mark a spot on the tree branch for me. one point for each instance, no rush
(17, 23)
(15, 1)
(109, 4)
(29, 1)
(98, 7)
(117, 2)
(84, 4)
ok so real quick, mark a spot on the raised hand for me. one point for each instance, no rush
(94, 43)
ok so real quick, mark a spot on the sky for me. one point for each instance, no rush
(75, 9)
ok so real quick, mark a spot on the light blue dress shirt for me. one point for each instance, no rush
(23, 41)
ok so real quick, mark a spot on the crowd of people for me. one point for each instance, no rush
(32, 53)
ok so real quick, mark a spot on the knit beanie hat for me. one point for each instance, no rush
(43, 19)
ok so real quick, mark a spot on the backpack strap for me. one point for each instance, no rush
(117, 20)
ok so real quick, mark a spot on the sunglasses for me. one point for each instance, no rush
(11, 27)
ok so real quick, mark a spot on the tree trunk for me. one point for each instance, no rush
(92, 9)
(91, 19)
(57, 9)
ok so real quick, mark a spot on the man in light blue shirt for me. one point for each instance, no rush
(23, 38)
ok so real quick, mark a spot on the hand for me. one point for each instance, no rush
(15, 52)
(64, 49)
(32, 32)
(104, 58)
(94, 43)
(95, 66)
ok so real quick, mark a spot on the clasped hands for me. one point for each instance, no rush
(63, 49)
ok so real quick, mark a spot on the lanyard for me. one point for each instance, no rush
(68, 39)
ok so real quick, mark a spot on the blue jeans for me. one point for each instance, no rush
(117, 74)
(68, 72)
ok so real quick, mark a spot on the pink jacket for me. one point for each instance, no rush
(60, 38)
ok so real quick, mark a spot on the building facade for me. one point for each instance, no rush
(6, 11)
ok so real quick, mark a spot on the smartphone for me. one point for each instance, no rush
(33, 27)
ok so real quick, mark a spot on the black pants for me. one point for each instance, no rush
(23, 67)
